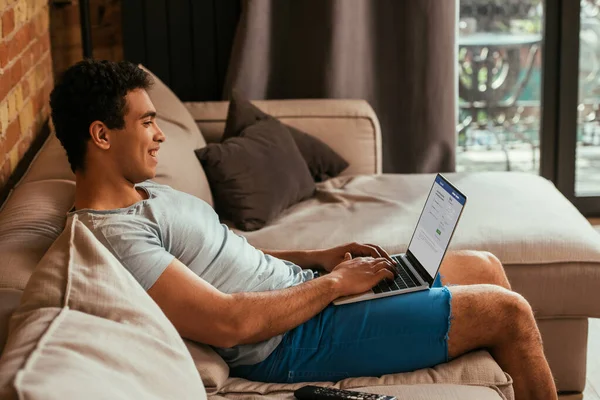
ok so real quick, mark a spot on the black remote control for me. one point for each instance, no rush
(323, 393)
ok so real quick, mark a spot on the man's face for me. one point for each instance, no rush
(134, 149)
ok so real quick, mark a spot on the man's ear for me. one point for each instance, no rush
(100, 135)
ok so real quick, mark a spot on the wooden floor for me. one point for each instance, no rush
(592, 387)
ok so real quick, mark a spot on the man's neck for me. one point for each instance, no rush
(102, 191)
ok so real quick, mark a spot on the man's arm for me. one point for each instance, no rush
(303, 258)
(202, 313)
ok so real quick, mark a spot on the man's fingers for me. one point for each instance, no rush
(375, 261)
(366, 250)
(385, 273)
(384, 264)
(382, 253)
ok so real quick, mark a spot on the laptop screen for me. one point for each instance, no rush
(436, 225)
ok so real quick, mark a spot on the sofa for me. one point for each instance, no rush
(550, 252)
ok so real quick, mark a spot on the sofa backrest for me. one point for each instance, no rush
(350, 127)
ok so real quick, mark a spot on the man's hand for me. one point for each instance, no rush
(357, 275)
(328, 259)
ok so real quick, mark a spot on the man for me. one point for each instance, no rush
(264, 311)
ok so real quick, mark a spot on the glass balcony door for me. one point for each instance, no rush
(576, 106)
(529, 92)
(587, 148)
(500, 69)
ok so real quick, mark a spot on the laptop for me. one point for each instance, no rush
(418, 267)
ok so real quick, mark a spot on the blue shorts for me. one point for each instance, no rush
(370, 338)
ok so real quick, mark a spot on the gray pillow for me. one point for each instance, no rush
(323, 162)
(256, 175)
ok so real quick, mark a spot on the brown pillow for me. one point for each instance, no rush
(257, 175)
(323, 162)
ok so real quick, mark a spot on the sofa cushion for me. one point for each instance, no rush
(322, 161)
(212, 368)
(412, 392)
(257, 175)
(49, 163)
(521, 218)
(477, 369)
(31, 219)
(9, 301)
(86, 329)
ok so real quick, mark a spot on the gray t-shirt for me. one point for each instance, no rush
(148, 235)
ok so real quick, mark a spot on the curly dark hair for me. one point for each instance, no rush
(89, 91)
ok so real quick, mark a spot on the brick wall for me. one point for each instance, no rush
(65, 32)
(25, 78)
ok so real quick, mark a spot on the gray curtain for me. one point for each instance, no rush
(399, 55)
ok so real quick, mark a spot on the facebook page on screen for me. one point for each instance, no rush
(436, 225)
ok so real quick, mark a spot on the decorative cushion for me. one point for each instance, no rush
(86, 329)
(177, 165)
(323, 162)
(256, 175)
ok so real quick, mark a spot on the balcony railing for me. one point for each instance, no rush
(500, 73)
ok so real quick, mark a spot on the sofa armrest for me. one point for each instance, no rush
(350, 127)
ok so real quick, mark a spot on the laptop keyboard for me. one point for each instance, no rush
(404, 279)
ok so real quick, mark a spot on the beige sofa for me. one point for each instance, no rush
(551, 253)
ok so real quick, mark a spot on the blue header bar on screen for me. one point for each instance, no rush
(448, 188)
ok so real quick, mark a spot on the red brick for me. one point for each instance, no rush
(15, 73)
(3, 54)
(24, 145)
(25, 86)
(8, 22)
(4, 85)
(29, 56)
(30, 30)
(45, 39)
(12, 135)
(17, 44)
(23, 35)
(36, 49)
(37, 25)
(13, 48)
(25, 61)
(38, 101)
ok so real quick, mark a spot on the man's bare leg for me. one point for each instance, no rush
(511, 335)
(501, 321)
(468, 267)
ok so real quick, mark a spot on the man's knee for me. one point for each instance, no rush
(489, 316)
(517, 318)
(495, 269)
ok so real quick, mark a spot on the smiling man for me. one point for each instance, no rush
(266, 312)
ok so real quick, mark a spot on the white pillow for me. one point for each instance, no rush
(86, 329)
